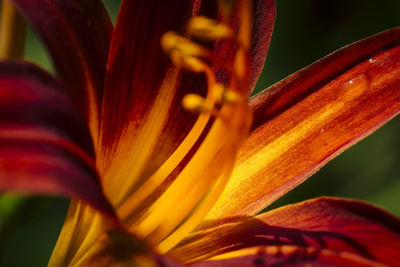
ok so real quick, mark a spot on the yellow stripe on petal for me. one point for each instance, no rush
(82, 227)
(283, 143)
(200, 212)
(295, 143)
(165, 170)
(188, 199)
(139, 148)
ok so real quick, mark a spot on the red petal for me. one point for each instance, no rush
(45, 146)
(309, 118)
(77, 34)
(263, 25)
(321, 231)
(289, 256)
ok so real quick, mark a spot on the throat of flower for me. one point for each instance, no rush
(177, 196)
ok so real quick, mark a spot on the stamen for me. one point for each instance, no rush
(190, 63)
(175, 237)
(183, 52)
(223, 123)
(220, 94)
(231, 97)
(196, 104)
(127, 210)
(218, 91)
(172, 40)
(208, 29)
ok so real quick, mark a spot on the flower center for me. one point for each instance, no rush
(202, 164)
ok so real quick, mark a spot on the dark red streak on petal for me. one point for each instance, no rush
(45, 146)
(77, 34)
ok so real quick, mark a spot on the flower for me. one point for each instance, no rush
(161, 167)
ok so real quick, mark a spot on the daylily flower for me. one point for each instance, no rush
(154, 112)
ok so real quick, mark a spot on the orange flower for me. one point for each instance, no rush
(163, 124)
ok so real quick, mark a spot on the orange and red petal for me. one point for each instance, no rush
(143, 120)
(77, 35)
(321, 232)
(288, 256)
(309, 118)
(45, 146)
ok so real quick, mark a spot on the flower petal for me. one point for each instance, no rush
(77, 34)
(119, 248)
(144, 121)
(321, 231)
(307, 119)
(142, 99)
(151, 150)
(136, 67)
(263, 25)
(45, 146)
(288, 256)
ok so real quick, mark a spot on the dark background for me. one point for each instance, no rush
(305, 30)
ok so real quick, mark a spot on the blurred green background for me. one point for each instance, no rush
(305, 30)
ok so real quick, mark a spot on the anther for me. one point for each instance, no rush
(188, 62)
(208, 29)
(183, 52)
(171, 42)
(223, 94)
(196, 104)
(231, 97)
(217, 91)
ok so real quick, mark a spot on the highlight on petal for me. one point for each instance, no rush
(45, 146)
(77, 34)
(322, 231)
(307, 119)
